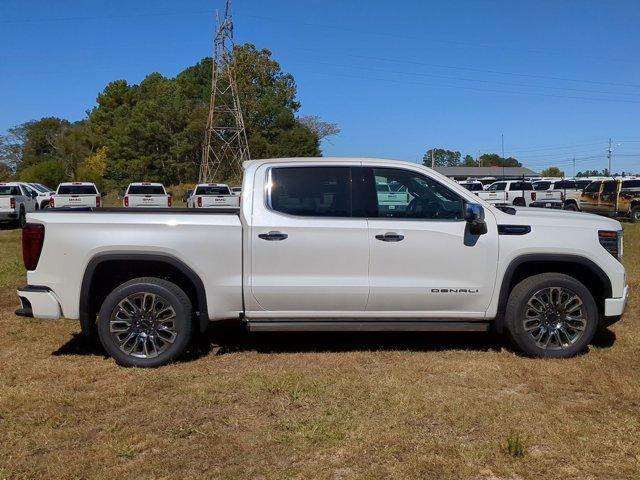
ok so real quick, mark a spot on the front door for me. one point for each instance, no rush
(309, 254)
(424, 263)
(589, 197)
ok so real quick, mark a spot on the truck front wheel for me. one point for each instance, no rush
(145, 322)
(551, 315)
(635, 214)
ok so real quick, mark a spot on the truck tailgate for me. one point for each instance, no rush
(74, 200)
(218, 201)
(136, 200)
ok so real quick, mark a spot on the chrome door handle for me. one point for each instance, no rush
(273, 236)
(390, 237)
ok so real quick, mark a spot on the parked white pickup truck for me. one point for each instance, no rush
(311, 249)
(551, 193)
(16, 200)
(509, 192)
(75, 194)
(212, 195)
(146, 194)
(43, 196)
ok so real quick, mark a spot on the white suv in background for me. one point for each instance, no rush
(76, 194)
(16, 200)
(146, 194)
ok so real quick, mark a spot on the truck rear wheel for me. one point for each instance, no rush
(145, 322)
(572, 207)
(551, 315)
(635, 214)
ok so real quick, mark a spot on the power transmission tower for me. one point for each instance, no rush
(225, 146)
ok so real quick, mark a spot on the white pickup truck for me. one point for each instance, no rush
(16, 200)
(212, 195)
(509, 192)
(75, 194)
(146, 194)
(551, 193)
(311, 249)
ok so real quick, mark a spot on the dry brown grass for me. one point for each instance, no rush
(317, 406)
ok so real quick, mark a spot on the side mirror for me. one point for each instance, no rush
(474, 216)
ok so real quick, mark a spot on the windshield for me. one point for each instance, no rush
(9, 190)
(541, 185)
(146, 190)
(77, 190)
(212, 190)
(41, 188)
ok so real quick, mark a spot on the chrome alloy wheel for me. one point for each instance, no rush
(143, 325)
(554, 318)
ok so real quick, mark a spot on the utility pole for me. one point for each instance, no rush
(225, 146)
(502, 138)
(574, 166)
(609, 157)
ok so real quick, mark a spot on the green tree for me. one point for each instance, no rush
(50, 172)
(552, 172)
(442, 158)
(469, 161)
(495, 160)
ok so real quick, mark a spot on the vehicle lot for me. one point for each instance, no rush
(316, 406)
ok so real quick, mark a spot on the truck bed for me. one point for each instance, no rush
(139, 210)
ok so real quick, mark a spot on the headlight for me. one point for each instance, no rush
(612, 242)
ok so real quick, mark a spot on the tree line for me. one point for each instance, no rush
(441, 157)
(153, 131)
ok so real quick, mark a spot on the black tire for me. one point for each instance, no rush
(635, 214)
(519, 202)
(559, 343)
(165, 294)
(572, 207)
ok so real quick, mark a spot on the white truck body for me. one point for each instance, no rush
(16, 200)
(213, 195)
(44, 194)
(75, 194)
(146, 194)
(298, 255)
(509, 192)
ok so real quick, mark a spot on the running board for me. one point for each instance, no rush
(366, 326)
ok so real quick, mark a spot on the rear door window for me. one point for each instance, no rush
(311, 191)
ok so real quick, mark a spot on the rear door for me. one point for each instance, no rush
(423, 261)
(309, 255)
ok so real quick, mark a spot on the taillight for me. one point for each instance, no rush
(52, 203)
(13, 202)
(126, 201)
(32, 240)
(98, 201)
(200, 201)
(169, 201)
(533, 196)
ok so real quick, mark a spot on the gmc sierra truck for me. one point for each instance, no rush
(212, 195)
(75, 194)
(146, 194)
(313, 248)
(509, 192)
(16, 200)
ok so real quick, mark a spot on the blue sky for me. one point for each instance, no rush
(557, 77)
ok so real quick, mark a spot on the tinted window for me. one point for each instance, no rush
(77, 190)
(610, 187)
(146, 190)
(311, 191)
(565, 184)
(520, 186)
(472, 186)
(582, 183)
(631, 184)
(213, 190)
(541, 186)
(497, 187)
(9, 190)
(592, 187)
(422, 197)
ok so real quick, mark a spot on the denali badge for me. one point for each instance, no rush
(454, 290)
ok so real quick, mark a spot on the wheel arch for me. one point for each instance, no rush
(106, 271)
(581, 268)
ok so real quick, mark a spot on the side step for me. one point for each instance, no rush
(366, 326)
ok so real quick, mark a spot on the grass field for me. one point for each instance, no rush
(316, 406)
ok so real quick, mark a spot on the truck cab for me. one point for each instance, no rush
(75, 194)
